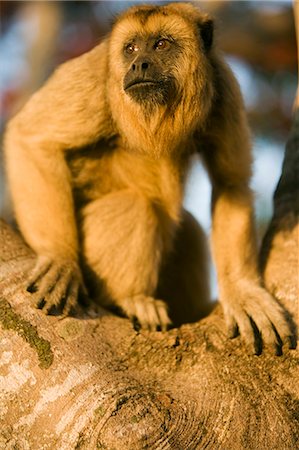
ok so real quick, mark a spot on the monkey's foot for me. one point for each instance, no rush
(56, 285)
(259, 319)
(151, 313)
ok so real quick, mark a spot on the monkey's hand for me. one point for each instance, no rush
(150, 313)
(258, 317)
(56, 285)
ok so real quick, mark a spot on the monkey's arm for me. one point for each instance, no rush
(228, 158)
(67, 113)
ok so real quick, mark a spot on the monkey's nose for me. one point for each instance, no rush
(140, 67)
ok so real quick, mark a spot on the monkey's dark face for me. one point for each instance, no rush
(149, 78)
(155, 51)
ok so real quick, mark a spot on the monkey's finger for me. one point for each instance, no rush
(76, 290)
(162, 309)
(270, 319)
(154, 321)
(41, 267)
(146, 312)
(247, 334)
(49, 280)
(264, 326)
(232, 326)
(128, 307)
(245, 328)
(50, 290)
(71, 297)
(154, 313)
(281, 325)
(230, 322)
(55, 298)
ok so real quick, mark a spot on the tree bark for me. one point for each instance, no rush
(93, 382)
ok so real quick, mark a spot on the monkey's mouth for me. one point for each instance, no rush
(148, 91)
(140, 82)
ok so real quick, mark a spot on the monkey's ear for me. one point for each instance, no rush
(206, 29)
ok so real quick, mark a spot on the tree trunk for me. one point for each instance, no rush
(92, 382)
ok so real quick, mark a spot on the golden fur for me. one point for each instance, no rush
(97, 177)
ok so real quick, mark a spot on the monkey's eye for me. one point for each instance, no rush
(131, 48)
(162, 44)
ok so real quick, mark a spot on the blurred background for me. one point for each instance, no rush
(258, 38)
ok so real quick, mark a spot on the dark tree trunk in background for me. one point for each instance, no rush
(93, 382)
(279, 256)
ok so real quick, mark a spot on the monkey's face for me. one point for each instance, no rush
(149, 78)
(156, 50)
(160, 84)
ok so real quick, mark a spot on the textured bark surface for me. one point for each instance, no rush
(92, 382)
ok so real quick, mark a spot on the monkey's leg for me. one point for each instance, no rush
(247, 305)
(184, 276)
(123, 245)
